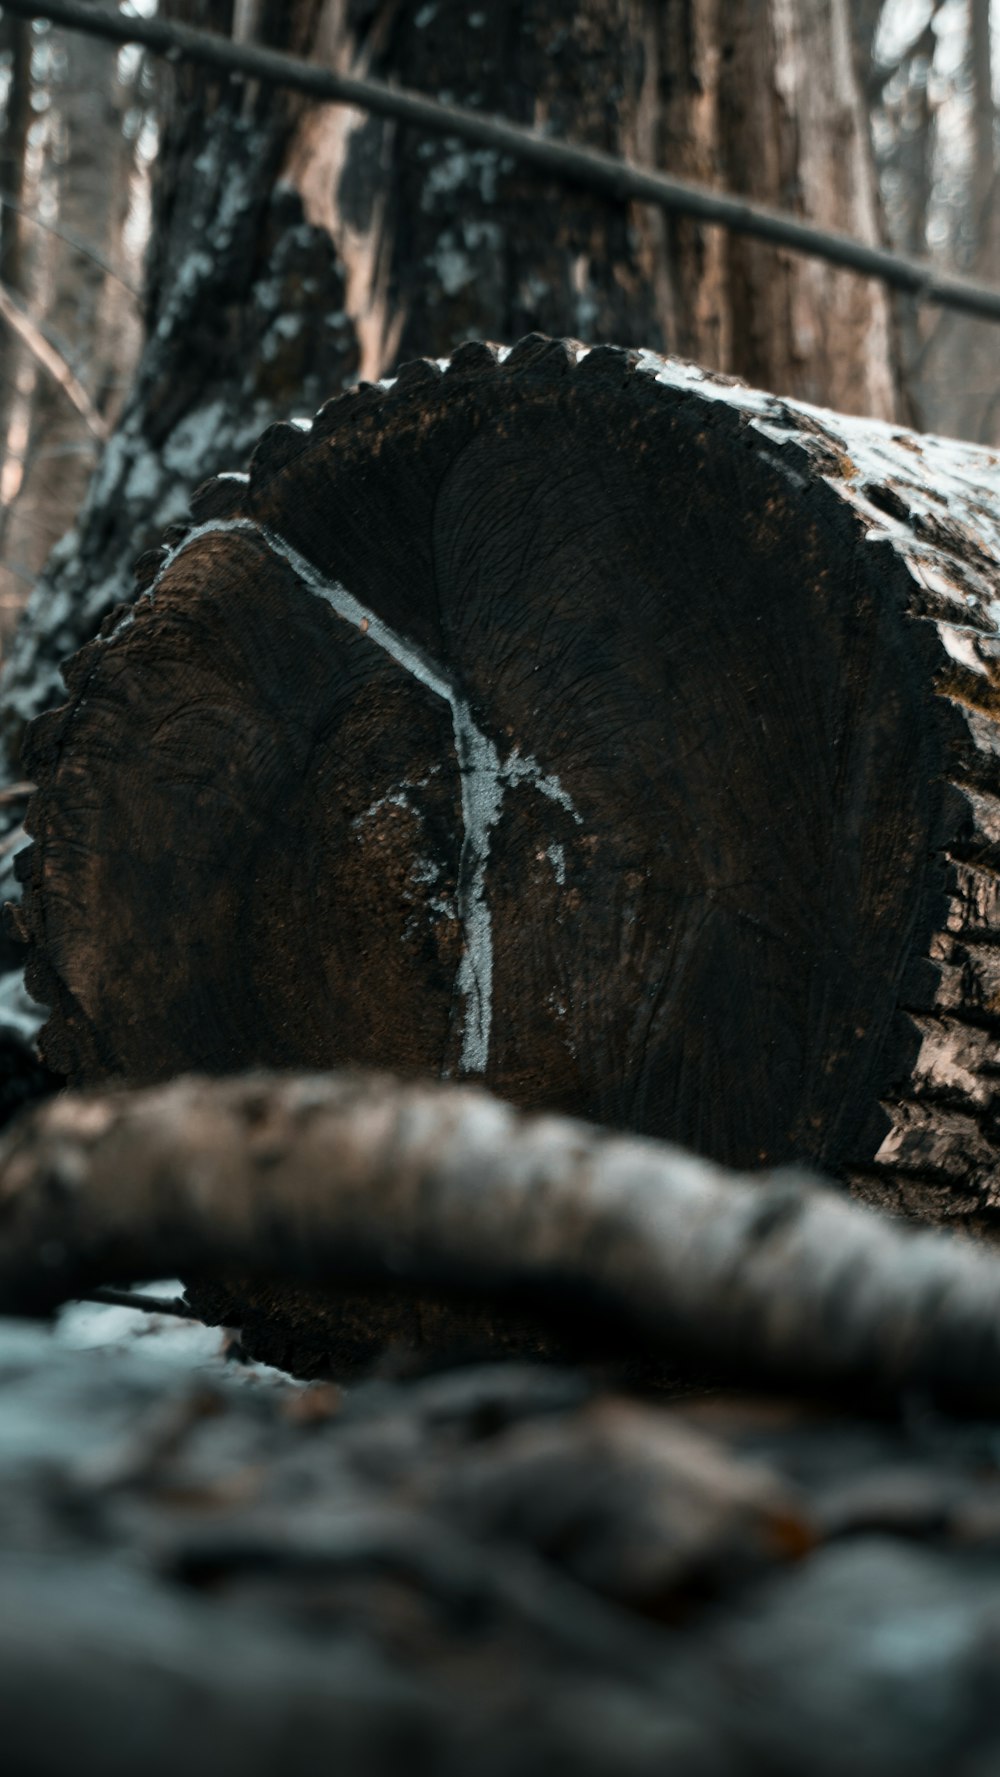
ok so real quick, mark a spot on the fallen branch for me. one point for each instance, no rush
(328, 1178)
(143, 1304)
(52, 361)
(70, 239)
(596, 171)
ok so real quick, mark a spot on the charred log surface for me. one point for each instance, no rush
(608, 732)
(497, 1570)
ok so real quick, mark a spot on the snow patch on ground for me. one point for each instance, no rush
(138, 1360)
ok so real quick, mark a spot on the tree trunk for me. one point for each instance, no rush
(765, 100)
(580, 723)
(75, 172)
(963, 360)
(325, 229)
(338, 240)
(15, 371)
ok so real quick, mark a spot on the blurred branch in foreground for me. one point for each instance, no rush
(368, 1178)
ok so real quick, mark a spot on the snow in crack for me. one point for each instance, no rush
(484, 779)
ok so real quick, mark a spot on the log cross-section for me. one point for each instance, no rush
(573, 720)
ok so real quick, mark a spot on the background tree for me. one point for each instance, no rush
(930, 67)
(78, 136)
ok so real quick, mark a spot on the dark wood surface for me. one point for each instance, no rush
(701, 863)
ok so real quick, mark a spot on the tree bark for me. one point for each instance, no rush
(765, 100)
(612, 733)
(962, 361)
(74, 173)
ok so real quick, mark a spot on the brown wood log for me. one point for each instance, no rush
(328, 1180)
(573, 721)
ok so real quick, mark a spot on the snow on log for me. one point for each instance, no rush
(332, 1179)
(571, 720)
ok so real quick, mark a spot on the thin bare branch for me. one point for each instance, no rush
(9, 202)
(52, 362)
(617, 179)
(172, 1305)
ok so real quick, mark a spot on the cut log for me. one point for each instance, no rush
(574, 721)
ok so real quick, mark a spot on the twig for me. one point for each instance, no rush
(174, 1305)
(53, 362)
(618, 179)
(9, 202)
(334, 1177)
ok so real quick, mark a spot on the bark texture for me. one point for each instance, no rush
(442, 242)
(580, 722)
(765, 100)
(329, 1179)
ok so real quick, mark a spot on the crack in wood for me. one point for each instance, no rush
(485, 778)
